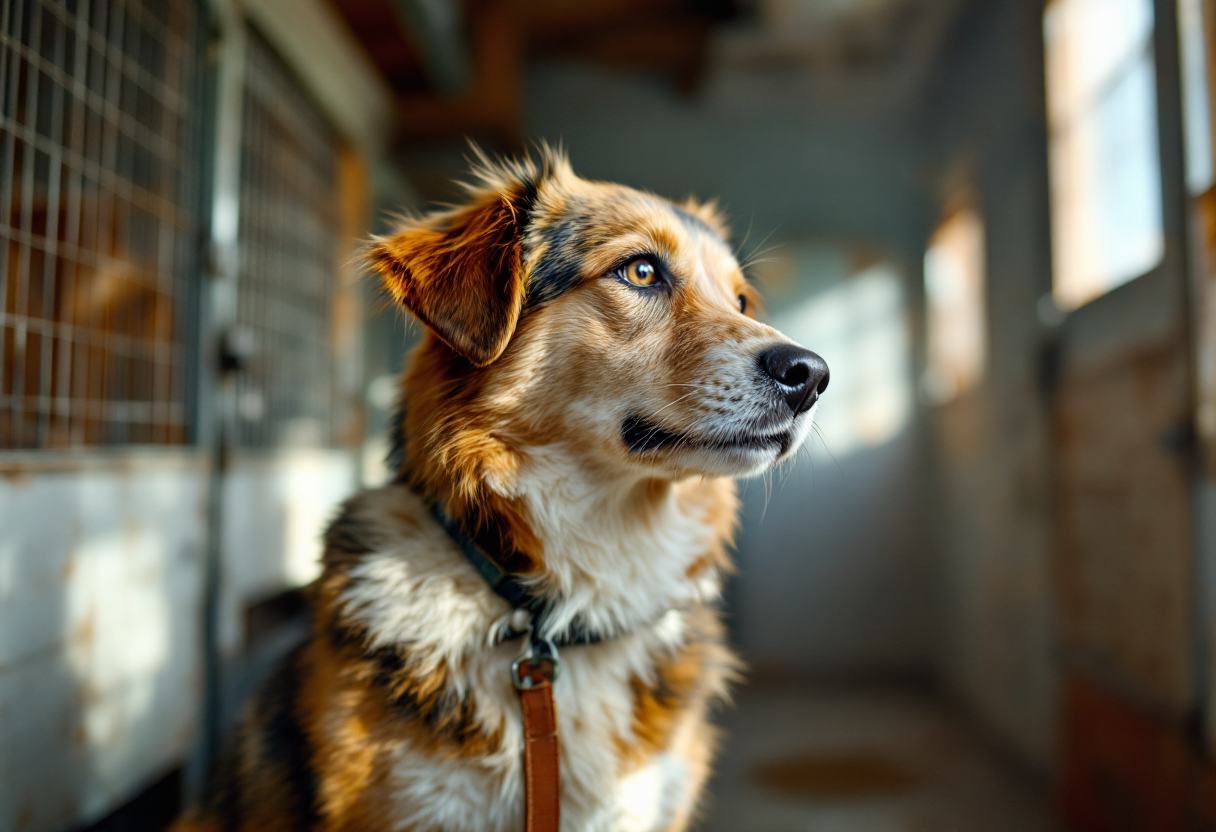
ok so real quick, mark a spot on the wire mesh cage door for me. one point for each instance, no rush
(290, 239)
(99, 185)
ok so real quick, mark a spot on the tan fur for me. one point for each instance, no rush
(515, 416)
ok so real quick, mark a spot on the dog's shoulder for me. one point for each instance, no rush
(393, 516)
(264, 777)
(392, 577)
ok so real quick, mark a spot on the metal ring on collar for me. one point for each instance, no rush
(538, 664)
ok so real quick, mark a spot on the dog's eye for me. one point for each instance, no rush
(742, 304)
(640, 272)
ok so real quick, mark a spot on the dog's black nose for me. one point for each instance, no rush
(800, 374)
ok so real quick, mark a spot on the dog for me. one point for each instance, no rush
(590, 381)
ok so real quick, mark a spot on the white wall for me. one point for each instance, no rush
(101, 573)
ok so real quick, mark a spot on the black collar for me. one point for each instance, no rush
(512, 590)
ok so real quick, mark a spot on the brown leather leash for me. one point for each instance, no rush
(533, 676)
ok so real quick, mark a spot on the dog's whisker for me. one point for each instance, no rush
(760, 261)
(687, 395)
(824, 441)
(768, 493)
(746, 236)
(760, 245)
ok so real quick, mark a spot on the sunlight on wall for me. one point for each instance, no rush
(956, 314)
(860, 329)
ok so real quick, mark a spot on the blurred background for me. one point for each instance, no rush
(986, 598)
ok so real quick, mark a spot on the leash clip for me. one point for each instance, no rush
(537, 666)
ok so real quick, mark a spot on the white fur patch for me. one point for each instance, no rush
(615, 568)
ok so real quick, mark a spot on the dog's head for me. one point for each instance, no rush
(599, 318)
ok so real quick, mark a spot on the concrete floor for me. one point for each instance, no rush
(870, 760)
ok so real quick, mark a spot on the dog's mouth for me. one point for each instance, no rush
(641, 436)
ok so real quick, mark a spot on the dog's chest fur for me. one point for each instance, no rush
(634, 739)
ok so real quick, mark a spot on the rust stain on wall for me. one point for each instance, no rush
(15, 475)
(1123, 557)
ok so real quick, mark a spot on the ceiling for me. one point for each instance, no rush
(458, 69)
(875, 54)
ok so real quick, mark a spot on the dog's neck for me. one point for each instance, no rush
(620, 550)
(610, 550)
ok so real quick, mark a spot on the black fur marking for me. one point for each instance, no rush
(271, 741)
(345, 539)
(564, 246)
(395, 459)
(447, 716)
(525, 202)
(285, 743)
(695, 223)
(559, 268)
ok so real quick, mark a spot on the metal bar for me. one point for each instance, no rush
(74, 221)
(21, 301)
(218, 316)
(11, 79)
(46, 344)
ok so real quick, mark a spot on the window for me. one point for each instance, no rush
(956, 316)
(98, 232)
(1102, 121)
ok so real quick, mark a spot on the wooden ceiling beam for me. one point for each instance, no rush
(433, 27)
(668, 36)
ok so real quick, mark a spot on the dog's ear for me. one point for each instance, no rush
(459, 271)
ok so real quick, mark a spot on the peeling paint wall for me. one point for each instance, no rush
(1125, 574)
(101, 576)
(101, 592)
